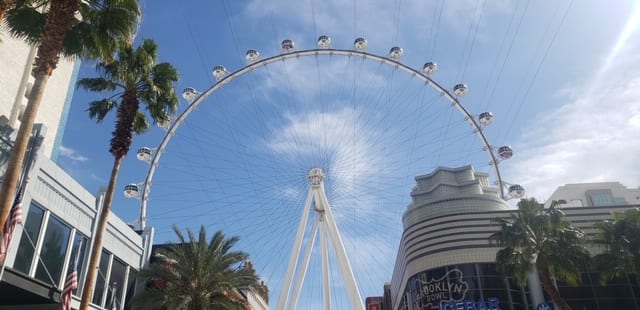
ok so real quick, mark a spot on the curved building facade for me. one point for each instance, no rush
(445, 260)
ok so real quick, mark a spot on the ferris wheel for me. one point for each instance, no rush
(317, 143)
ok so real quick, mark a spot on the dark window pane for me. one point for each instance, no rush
(31, 231)
(79, 250)
(116, 282)
(101, 278)
(131, 288)
(54, 248)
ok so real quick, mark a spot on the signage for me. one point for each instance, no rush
(450, 287)
(446, 293)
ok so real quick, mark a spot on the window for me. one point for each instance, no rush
(79, 250)
(52, 253)
(101, 279)
(27, 246)
(131, 288)
(600, 197)
(116, 284)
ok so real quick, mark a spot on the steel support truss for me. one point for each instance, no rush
(326, 224)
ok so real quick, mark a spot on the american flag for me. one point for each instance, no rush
(10, 225)
(70, 284)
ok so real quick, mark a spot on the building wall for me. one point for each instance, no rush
(59, 217)
(14, 63)
(453, 238)
(595, 194)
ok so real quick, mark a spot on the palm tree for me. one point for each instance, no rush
(5, 5)
(621, 237)
(196, 274)
(71, 28)
(540, 238)
(134, 77)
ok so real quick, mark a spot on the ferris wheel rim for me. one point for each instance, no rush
(227, 78)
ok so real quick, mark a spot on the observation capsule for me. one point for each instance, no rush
(460, 90)
(485, 118)
(516, 191)
(131, 191)
(430, 68)
(396, 52)
(144, 154)
(324, 42)
(219, 72)
(287, 46)
(252, 56)
(505, 152)
(360, 44)
(189, 94)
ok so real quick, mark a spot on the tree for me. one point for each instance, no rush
(196, 274)
(539, 238)
(71, 28)
(134, 77)
(621, 238)
(5, 5)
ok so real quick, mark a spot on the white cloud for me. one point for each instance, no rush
(593, 137)
(378, 21)
(72, 154)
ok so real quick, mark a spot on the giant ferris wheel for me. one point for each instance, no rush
(309, 157)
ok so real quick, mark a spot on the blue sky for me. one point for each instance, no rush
(561, 78)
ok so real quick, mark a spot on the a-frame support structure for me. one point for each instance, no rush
(326, 224)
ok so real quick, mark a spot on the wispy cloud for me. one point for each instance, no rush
(72, 154)
(379, 21)
(590, 138)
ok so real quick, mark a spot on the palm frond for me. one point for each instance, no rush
(100, 108)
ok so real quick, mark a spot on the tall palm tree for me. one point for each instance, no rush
(70, 28)
(134, 78)
(539, 238)
(5, 5)
(196, 274)
(621, 237)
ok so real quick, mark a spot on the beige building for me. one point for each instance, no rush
(16, 60)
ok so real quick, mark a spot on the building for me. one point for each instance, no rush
(16, 59)
(445, 260)
(59, 220)
(595, 195)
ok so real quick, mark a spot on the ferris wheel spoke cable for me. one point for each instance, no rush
(537, 70)
(496, 78)
(393, 117)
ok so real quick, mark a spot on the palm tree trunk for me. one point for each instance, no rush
(549, 288)
(96, 249)
(60, 16)
(16, 160)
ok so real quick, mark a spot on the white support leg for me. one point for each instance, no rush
(341, 254)
(305, 265)
(295, 253)
(326, 286)
(326, 223)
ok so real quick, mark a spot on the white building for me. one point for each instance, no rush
(59, 220)
(595, 195)
(445, 260)
(59, 215)
(16, 59)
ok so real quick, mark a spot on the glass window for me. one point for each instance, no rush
(79, 250)
(116, 282)
(101, 278)
(54, 248)
(29, 238)
(131, 288)
(601, 199)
